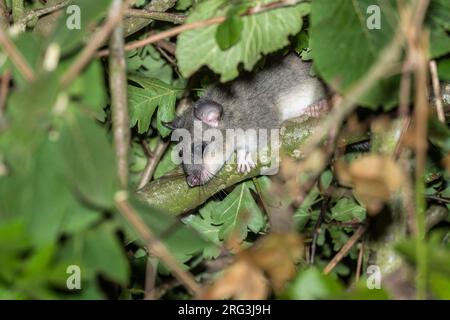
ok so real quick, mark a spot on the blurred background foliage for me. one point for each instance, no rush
(58, 169)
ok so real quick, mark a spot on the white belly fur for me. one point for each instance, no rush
(294, 103)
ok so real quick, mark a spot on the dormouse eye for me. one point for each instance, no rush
(180, 153)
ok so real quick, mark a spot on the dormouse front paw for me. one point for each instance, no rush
(245, 162)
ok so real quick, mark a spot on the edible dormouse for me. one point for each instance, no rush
(283, 90)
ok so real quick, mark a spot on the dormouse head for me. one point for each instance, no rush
(196, 149)
(207, 111)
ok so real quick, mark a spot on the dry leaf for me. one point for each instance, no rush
(274, 255)
(374, 179)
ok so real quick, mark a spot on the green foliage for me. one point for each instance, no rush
(312, 284)
(196, 48)
(58, 185)
(348, 210)
(330, 49)
(70, 39)
(237, 212)
(153, 94)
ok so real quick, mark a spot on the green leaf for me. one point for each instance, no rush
(346, 210)
(89, 89)
(181, 240)
(29, 110)
(90, 12)
(204, 225)
(311, 284)
(229, 32)
(444, 69)
(143, 103)
(149, 63)
(325, 179)
(261, 34)
(98, 251)
(237, 212)
(88, 160)
(304, 212)
(343, 57)
(183, 4)
(437, 19)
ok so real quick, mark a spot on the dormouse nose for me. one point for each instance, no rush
(193, 180)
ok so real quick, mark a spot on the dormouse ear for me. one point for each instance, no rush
(209, 112)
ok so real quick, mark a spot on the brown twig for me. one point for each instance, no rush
(199, 24)
(437, 91)
(168, 58)
(152, 162)
(438, 199)
(16, 56)
(150, 280)
(345, 249)
(167, 46)
(360, 259)
(119, 98)
(175, 18)
(4, 89)
(114, 18)
(155, 246)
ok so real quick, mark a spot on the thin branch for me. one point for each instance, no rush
(419, 52)
(345, 249)
(175, 18)
(437, 91)
(33, 14)
(133, 25)
(438, 199)
(114, 18)
(119, 98)
(167, 46)
(4, 89)
(155, 246)
(150, 280)
(152, 162)
(168, 58)
(199, 24)
(16, 56)
(360, 259)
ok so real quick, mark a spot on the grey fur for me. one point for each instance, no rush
(261, 100)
